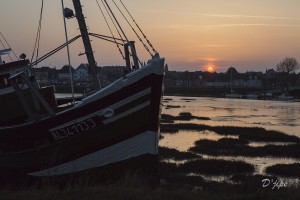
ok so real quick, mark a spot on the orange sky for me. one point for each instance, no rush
(249, 35)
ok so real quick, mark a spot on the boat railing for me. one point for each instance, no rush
(36, 94)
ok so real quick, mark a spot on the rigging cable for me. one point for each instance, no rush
(42, 58)
(38, 35)
(8, 46)
(133, 51)
(68, 52)
(153, 49)
(109, 14)
(106, 38)
(5, 48)
(110, 31)
(140, 39)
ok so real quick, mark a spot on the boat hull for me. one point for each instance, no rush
(16, 113)
(117, 124)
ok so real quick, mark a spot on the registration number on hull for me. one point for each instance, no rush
(74, 129)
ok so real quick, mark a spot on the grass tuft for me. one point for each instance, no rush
(289, 170)
(237, 147)
(168, 153)
(216, 167)
(183, 116)
(245, 133)
(170, 106)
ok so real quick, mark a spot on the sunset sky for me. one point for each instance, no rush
(192, 34)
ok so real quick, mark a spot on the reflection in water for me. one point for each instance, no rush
(272, 115)
(262, 144)
(260, 163)
(184, 140)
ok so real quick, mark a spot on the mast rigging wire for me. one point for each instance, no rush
(38, 35)
(106, 38)
(150, 44)
(132, 49)
(5, 48)
(109, 14)
(117, 44)
(53, 51)
(140, 39)
(8, 46)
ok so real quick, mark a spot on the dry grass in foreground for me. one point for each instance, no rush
(133, 189)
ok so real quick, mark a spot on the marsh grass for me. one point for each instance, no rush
(166, 128)
(253, 183)
(188, 99)
(221, 191)
(205, 166)
(175, 185)
(234, 147)
(171, 106)
(167, 121)
(168, 168)
(245, 133)
(233, 141)
(169, 153)
(255, 134)
(177, 181)
(216, 167)
(255, 179)
(179, 184)
(183, 116)
(289, 170)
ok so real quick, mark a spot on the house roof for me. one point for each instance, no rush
(83, 66)
(65, 69)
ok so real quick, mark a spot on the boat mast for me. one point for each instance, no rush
(86, 42)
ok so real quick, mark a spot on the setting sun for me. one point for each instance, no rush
(210, 68)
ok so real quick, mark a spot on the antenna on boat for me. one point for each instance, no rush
(86, 42)
(65, 11)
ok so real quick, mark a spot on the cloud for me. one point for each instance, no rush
(246, 24)
(246, 16)
(194, 27)
(224, 15)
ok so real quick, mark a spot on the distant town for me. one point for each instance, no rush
(198, 83)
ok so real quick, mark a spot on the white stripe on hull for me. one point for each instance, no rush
(113, 107)
(144, 143)
(154, 66)
(128, 112)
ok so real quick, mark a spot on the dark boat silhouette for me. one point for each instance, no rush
(113, 130)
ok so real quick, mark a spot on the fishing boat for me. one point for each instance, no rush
(113, 130)
(285, 97)
(251, 96)
(233, 95)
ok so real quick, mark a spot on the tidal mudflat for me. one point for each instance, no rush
(235, 151)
